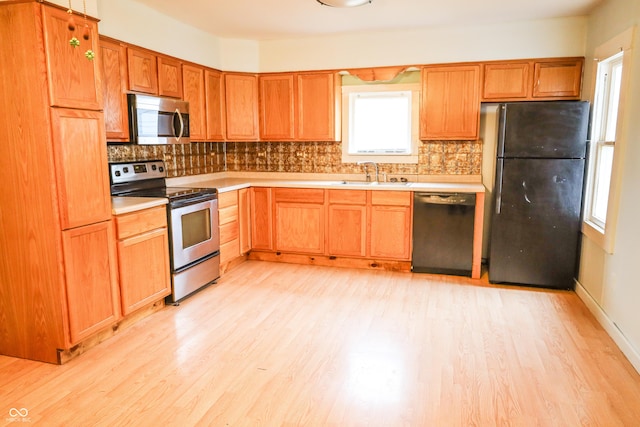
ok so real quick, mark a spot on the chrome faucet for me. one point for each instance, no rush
(366, 170)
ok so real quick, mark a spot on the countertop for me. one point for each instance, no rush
(225, 182)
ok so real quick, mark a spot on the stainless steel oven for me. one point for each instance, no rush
(192, 218)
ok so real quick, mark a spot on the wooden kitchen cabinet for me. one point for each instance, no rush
(390, 225)
(506, 81)
(143, 71)
(277, 114)
(91, 279)
(194, 93)
(215, 105)
(347, 231)
(113, 55)
(74, 80)
(229, 228)
(450, 104)
(317, 107)
(169, 77)
(261, 218)
(244, 220)
(558, 78)
(299, 220)
(241, 98)
(143, 258)
(82, 178)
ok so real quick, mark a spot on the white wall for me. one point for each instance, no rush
(546, 38)
(611, 281)
(135, 23)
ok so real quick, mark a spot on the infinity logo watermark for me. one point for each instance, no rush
(20, 415)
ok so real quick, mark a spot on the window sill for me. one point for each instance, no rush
(597, 235)
(379, 158)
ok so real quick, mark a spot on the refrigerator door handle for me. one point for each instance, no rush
(498, 189)
(502, 129)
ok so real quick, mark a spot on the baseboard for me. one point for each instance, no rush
(618, 337)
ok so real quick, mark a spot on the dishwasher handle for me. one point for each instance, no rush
(446, 199)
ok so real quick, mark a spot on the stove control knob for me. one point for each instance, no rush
(125, 169)
(161, 169)
(118, 173)
(153, 167)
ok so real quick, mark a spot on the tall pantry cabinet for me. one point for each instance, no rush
(58, 276)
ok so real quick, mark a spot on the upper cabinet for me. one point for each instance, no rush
(194, 93)
(317, 108)
(169, 77)
(114, 72)
(215, 105)
(299, 106)
(532, 80)
(277, 114)
(506, 81)
(557, 79)
(143, 71)
(74, 77)
(241, 97)
(450, 105)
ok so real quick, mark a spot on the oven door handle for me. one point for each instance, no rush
(180, 203)
(181, 121)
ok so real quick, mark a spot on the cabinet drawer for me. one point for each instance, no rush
(227, 199)
(347, 197)
(229, 251)
(299, 195)
(228, 232)
(228, 214)
(130, 224)
(392, 198)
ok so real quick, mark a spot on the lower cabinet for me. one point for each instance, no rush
(347, 232)
(261, 218)
(91, 277)
(244, 220)
(228, 222)
(390, 233)
(299, 220)
(143, 258)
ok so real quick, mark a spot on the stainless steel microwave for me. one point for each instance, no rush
(154, 120)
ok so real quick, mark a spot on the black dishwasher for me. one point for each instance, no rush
(443, 233)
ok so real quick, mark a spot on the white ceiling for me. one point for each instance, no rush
(283, 19)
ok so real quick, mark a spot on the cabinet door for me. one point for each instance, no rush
(81, 167)
(74, 80)
(390, 225)
(114, 73)
(143, 71)
(317, 109)
(347, 233)
(299, 227)
(215, 105)
(557, 79)
(144, 269)
(169, 77)
(506, 81)
(244, 220)
(450, 107)
(276, 107)
(193, 89)
(241, 96)
(261, 219)
(91, 279)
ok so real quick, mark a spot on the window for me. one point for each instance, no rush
(605, 118)
(381, 123)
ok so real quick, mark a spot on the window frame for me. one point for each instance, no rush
(603, 234)
(414, 88)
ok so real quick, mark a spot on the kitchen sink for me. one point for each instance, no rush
(368, 183)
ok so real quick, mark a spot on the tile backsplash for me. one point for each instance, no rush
(434, 157)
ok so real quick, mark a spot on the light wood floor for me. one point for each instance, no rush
(287, 345)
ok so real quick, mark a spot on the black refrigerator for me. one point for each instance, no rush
(537, 205)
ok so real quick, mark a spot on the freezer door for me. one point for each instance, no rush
(555, 129)
(536, 222)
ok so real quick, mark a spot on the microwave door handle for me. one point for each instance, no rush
(181, 125)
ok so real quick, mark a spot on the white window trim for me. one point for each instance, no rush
(605, 238)
(415, 123)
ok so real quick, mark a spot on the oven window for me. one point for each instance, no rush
(196, 228)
